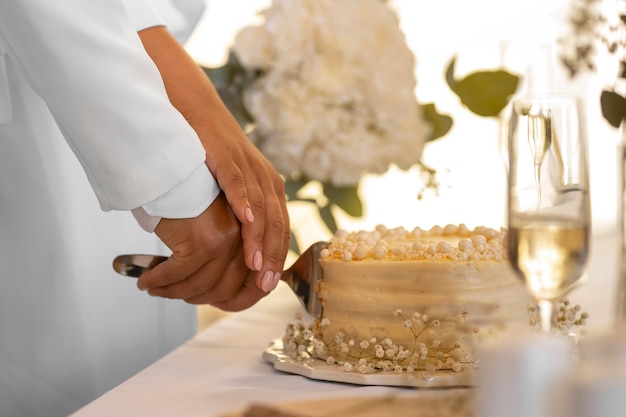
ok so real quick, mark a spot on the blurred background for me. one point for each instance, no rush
(484, 34)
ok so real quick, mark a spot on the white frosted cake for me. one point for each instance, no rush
(399, 300)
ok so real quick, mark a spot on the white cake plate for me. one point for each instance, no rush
(320, 370)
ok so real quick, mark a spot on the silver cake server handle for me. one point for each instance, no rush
(303, 276)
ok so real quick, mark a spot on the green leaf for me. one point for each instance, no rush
(613, 107)
(292, 187)
(232, 74)
(346, 198)
(230, 81)
(485, 93)
(441, 123)
(327, 217)
(293, 244)
(219, 76)
(450, 76)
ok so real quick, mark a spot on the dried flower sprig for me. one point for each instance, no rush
(590, 27)
(365, 356)
(425, 357)
(568, 317)
(581, 45)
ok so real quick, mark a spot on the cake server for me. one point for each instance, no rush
(303, 276)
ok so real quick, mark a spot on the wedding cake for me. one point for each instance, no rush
(407, 301)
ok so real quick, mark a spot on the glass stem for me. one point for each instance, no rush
(547, 315)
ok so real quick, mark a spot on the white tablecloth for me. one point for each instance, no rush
(221, 369)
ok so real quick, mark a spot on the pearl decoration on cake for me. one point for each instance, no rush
(444, 247)
(452, 242)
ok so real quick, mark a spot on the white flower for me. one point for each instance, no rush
(337, 79)
(379, 351)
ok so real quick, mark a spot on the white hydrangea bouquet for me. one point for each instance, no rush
(326, 90)
(336, 97)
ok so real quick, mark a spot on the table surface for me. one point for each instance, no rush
(221, 370)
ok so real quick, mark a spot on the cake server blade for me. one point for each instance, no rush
(303, 276)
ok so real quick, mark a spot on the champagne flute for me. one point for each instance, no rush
(548, 199)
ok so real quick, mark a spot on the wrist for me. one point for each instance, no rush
(188, 199)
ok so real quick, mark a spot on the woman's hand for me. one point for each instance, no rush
(253, 188)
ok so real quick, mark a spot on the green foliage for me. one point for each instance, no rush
(485, 93)
(441, 123)
(613, 107)
(293, 244)
(591, 28)
(230, 81)
(345, 198)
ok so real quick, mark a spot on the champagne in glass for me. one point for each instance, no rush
(548, 199)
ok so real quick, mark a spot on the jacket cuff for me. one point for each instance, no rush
(144, 14)
(186, 200)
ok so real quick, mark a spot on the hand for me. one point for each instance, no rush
(206, 265)
(242, 171)
(251, 185)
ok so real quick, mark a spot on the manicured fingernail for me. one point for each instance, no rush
(267, 283)
(257, 261)
(249, 215)
(276, 279)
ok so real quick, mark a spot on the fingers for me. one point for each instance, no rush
(248, 295)
(216, 281)
(252, 231)
(237, 194)
(202, 250)
(266, 239)
(275, 242)
(167, 273)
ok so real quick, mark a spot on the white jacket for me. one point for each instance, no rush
(70, 328)
(133, 145)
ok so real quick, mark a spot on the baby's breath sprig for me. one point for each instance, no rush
(568, 317)
(427, 355)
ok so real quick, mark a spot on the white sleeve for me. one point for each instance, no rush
(180, 16)
(188, 199)
(86, 61)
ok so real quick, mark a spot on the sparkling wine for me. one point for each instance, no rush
(548, 253)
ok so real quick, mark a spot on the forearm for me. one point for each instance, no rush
(188, 88)
(250, 183)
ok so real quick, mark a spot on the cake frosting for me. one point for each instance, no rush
(417, 300)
